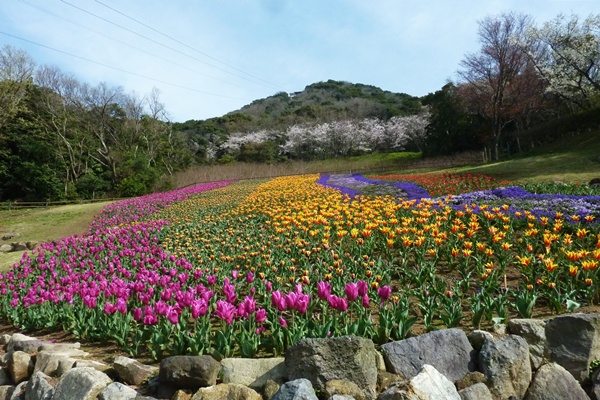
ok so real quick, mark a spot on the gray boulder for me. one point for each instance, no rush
(573, 341)
(6, 391)
(251, 372)
(6, 248)
(189, 372)
(39, 387)
(506, 366)
(479, 391)
(81, 384)
(298, 389)
(534, 333)
(553, 382)
(448, 351)
(133, 372)
(4, 378)
(226, 391)
(15, 338)
(19, 392)
(117, 391)
(320, 360)
(54, 363)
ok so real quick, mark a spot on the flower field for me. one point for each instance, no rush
(248, 268)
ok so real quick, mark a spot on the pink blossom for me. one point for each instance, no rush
(384, 292)
(225, 311)
(351, 291)
(323, 290)
(260, 316)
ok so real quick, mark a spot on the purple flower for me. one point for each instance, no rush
(323, 290)
(384, 292)
(173, 315)
(199, 308)
(282, 322)
(137, 314)
(363, 288)
(351, 291)
(278, 300)
(225, 311)
(260, 316)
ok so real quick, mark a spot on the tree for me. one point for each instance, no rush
(490, 76)
(566, 53)
(16, 70)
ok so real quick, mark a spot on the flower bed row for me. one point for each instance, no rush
(252, 267)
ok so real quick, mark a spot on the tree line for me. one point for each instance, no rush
(61, 138)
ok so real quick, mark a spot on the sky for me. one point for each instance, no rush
(211, 57)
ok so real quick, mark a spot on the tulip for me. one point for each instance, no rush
(278, 300)
(225, 311)
(260, 316)
(283, 322)
(384, 292)
(302, 303)
(173, 315)
(351, 291)
(199, 308)
(137, 314)
(363, 288)
(323, 290)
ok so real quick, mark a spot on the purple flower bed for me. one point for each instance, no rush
(356, 184)
(138, 208)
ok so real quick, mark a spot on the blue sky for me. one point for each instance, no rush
(211, 57)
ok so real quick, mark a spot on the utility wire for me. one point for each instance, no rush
(159, 43)
(124, 43)
(122, 70)
(183, 44)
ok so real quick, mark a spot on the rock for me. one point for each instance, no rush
(500, 329)
(271, 387)
(253, 372)
(28, 346)
(39, 387)
(320, 360)
(226, 391)
(298, 389)
(20, 366)
(98, 365)
(133, 372)
(117, 391)
(506, 366)
(448, 351)
(31, 245)
(6, 248)
(343, 388)
(4, 339)
(53, 364)
(573, 342)
(427, 384)
(478, 391)
(10, 235)
(81, 384)
(189, 372)
(6, 391)
(19, 392)
(15, 338)
(19, 246)
(470, 379)
(593, 182)
(72, 348)
(380, 362)
(553, 382)
(341, 397)
(534, 333)
(385, 379)
(4, 378)
(478, 337)
(181, 395)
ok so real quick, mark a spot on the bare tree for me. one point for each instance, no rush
(490, 76)
(16, 70)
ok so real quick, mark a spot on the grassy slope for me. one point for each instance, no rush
(574, 160)
(44, 225)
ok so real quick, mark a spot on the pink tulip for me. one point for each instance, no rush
(173, 315)
(260, 316)
(225, 311)
(365, 301)
(323, 290)
(283, 322)
(363, 288)
(199, 308)
(278, 300)
(351, 291)
(384, 292)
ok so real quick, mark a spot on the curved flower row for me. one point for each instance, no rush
(138, 208)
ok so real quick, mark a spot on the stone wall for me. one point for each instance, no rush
(528, 359)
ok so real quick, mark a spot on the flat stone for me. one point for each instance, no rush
(20, 366)
(117, 391)
(448, 351)
(81, 384)
(189, 372)
(553, 382)
(478, 391)
(534, 333)
(251, 372)
(133, 372)
(227, 391)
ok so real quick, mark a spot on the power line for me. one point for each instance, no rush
(159, 43)
(124, 43)
(183, 44)
(122, 70)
